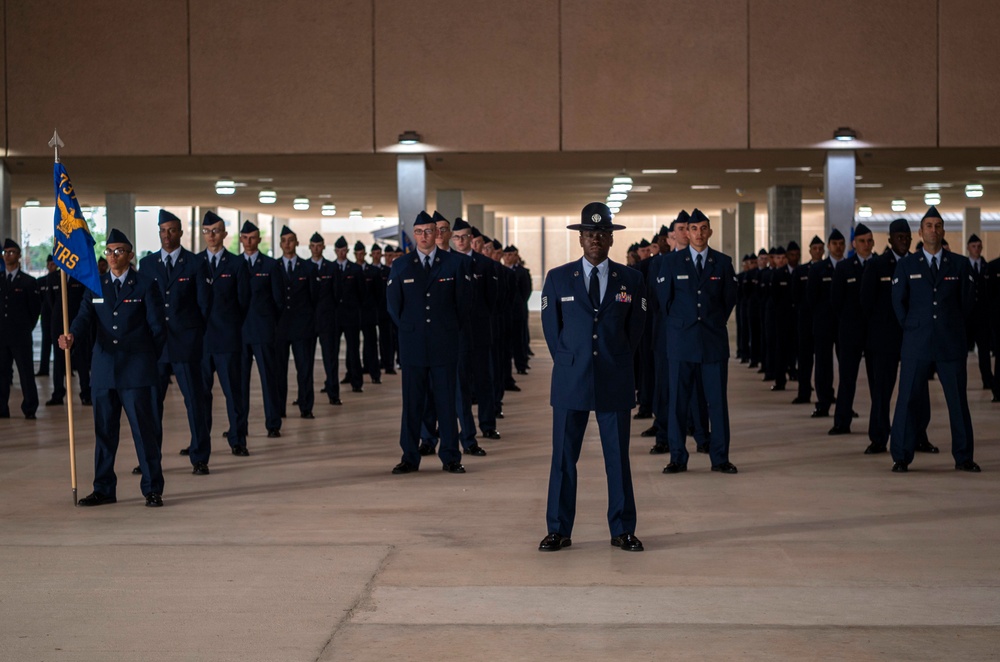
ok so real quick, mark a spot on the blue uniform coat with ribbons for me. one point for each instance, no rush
(187, 298)
(266, 296)
(230, 301)
(933, 311)
(592, 351)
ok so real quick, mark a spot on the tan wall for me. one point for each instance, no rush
(111, 75)
(970, 74)
(3, 78)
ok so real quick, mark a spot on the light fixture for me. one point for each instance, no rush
(868, 185)
(328, 210)
(845, 134)
(983, 169)
(31, 202)
(745, 171)
(899, 205)
(932, 186)
(615, 205)
(864, 211)
(300, 204)
(794, 169)
(409, 138)
(932, 198)
(617, 196)
(225, 187)
(660, 171)
(925, 169)
(622, 180)
(621, 188)
(267, 197)
(705, 187)
(974, 190)
(355, 213)
(813, 201)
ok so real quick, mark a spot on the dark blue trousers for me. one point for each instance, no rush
(806, 349)
(264, 356)
(82, 351)
(847, 386)
(421, 383)
(568, 428)
(369, 331)
(386, 345)
(140, 405)
(824, 371)
(192, 386)
(352, 356)
(228, 367)
(908, 422)
(304, 352)
(697, 412)
(18, 351)
(885, 365)
(712, 380)
(475, 380)
(329, 346)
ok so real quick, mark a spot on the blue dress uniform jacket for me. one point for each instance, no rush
(187, 297)
(20, 305)
(259, 327)
(75, 292)
(845, 296)
(592, 352)
(297, 330)
(932, 311)
(129, 335)
(349, 305)
(824, 330)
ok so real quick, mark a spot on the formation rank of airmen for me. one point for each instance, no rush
(188, 318)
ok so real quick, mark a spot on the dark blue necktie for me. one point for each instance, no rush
(934, 266)
(698, 265)
(595, 288)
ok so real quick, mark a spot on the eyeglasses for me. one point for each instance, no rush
(117, 252)
(427, 233)
(11, 251)
(213, 231)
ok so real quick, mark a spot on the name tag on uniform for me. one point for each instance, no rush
(183, 280)
(783, 284)
(566, 299)
(803, 277)
(852, 280)
(101, 300)
(827, 278)
(720, 278)
(916, 275)
(445, 280)
(885, 278)
(951, 277)
(407, 280)
(682, 277)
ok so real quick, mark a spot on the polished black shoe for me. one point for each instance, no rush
(522, 371)
(86, 402)
(390, 371)
(200, 469)
(554, 542)
(29, 417)
(512, 387)
(762, 371)
(425, 448)
(838, 430)
(295, 403)
(801, 401)
(376, 380)
(345, 380)
(775, 387)
(627, 542)
(674, 468)
(491, 434)
(900, 467)
(137, 471)
(725, 467)
(225, 435)
(454, 468)
(968, 465)
(306, 414)
(54, 402)
(927, 447)
(642, 415)
(996, 398)
(96, 499)
(475, 449)
(649, 432)
(42, 373)
(358, 389)
(241, 451)
(273, 434)
(753, 364)
(500, 413)
(855, 414)
(820, 413)
(154, 500)
(186, 450)
(404, 468)
(659, 449)
(336, 401)
(874, 449)
(323, 390)
(701, 448)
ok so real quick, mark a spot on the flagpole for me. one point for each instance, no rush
(64, 289)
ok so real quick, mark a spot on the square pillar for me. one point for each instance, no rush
(745, 228)
(727, 235)
(449, 203)
(784, 215)
(476, 216)
(839, 191)
(121, 214)
(411, 190)
(971, 225)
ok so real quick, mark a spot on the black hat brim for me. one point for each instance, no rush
(591, 226)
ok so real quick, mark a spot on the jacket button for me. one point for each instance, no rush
(428, 294)
(428, 320)
(168, 293)
(167, 319)
(167, 305)
(428, 307)
(115, 313)
(115, 327)
(114, 342)
(595, 353)
(935, 317)
(595, 336)
(595, 319)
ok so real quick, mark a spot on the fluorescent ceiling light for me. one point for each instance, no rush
(225, 187)
(621, 188)
(640, 189)
(328, 210)
(868, 185)
(845, 134)
(899, 205)
(617, 196)
(864, 211)
(660, 171)
(622, 180)
(794, 169)
(265, 180)
(812, 201)
(932, 198)
(736, 171)
(931, 186)
(267, 197)
(705, 187)
(300, 204)
(925, 169)
(978, 169)
(409, 138)
(31, 202)
(355, 213)
(974, 191)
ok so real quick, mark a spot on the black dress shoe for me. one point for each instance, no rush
(225, 435)
(96, 499)
(500, 414)
(295, 403)
(306, 414)
(753, 364)
(405, 468)
(926, 447)
(323, 390)
(627, 542)
(899, 467)
(390, 371)
(54, 402)
(820, 413)
(996, 398)
(968, 465)
(475, 449)
(674, 468)
(874, 449)
(837, 430)
(855, 414)
(512, 387)
(86, 402)
(186, 450)
(137, 471)
(454, 468)
(775, 387)
(273, 434)
(491, 434)
(554, 542)
(345, 380)
(701, 448)
(358, 389)
(336, 401)
(241, 451)
(725, 467)
(425, 448)
(801, 401)
(29, 417)
(649, 432)
(659, 449)
(376, 380)
(42, 373)
(522, 371)
(200, 469)
(642, 415)
(154, 500)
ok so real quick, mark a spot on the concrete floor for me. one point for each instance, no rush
(310, 550)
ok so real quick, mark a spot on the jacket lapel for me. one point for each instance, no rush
(128, 285)
(614, 286)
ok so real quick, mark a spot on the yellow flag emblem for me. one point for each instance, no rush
(69, 221)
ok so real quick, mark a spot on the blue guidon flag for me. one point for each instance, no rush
(405, 242)
(73, 246)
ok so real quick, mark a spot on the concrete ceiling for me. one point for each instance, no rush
(514, 184)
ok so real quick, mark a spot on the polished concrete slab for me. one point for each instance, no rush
(310, 550)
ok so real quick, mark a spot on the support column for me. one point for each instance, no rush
(745, 220)
(277, 223)
(121, 215)
(411, 190)
(490, 226)
(476, 216)
(727, 235)
(449, 203)
(971, 225)
(839, 192)
(784, 215)
(10, 225)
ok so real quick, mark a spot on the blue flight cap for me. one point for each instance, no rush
(696, 217)
(682, 217)
(166, 217)
(664, 230)
(116, 236)
(211, 218)
(860, 230)
(248, 227)
(10, 243)
(476, 232)
(496, 245)
(340, 243)
(285, 230)
(932, 213)
(836, 234)
(780, 250)
(460, 224)
(644, 244)
(317, 238)
(761, 253)
(899, 225)
(423, 218)
(358, 246)
(816, 240)
(973, 239)
(439, 217)
(793, 246)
